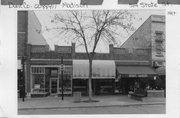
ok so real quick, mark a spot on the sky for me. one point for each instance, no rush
(53, 38)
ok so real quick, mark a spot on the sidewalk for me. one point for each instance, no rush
(68, 102)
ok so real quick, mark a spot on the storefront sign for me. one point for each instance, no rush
(132, 75)
(142, 75)
(19, 65)
(62, 67)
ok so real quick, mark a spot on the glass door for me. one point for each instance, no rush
(54, 85)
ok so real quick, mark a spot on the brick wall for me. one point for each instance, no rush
(141, 38)
(115, 54)
(63, 49)
(22, 33)
(131, 54)
(158, 25)
(145, 36)
(35, 36)
(39, 48)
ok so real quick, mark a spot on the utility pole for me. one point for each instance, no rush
(62, 69)
(23, 79)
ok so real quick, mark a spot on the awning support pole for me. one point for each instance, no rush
(62, 79)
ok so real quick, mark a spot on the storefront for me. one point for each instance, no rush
(134, 77)
(111, 72)
(47, 80)
(160, 82)
(103, 76)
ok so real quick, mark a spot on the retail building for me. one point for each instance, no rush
(151, 35)
(115, 72)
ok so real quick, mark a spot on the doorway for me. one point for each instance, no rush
(54, 85)
(127, 84)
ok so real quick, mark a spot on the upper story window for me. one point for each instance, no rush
(159, 48)
(159, 36)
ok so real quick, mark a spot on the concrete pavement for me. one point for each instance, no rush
(144, 109)
(103, 101)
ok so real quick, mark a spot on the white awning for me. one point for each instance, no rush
(100, 69)
(19, 64)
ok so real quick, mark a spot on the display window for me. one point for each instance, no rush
(38, 79)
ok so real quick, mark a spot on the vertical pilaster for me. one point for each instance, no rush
(111, 51)
(73, 50)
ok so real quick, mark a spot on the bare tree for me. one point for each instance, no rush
(87, 28)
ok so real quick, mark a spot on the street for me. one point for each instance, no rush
(139, 109)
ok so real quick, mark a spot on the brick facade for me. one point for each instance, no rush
(39, 54)
(48, 58)
(146, 37)
(28, 32)
(22, 33)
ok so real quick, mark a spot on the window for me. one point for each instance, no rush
(38, 83)
(54, 73)
(38, 70)
(66, 83)
(38, 80)
(159, 47)
(159, 36)
(66, 79)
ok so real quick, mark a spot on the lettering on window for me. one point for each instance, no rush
(37, 70)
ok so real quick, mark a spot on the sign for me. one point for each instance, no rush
(132, 75)
(62, 67)
(142, 75)
(19, 65)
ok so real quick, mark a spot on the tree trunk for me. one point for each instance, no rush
(90, 80)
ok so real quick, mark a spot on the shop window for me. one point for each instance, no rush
(66, 83)
(66, 79)
(38, 83)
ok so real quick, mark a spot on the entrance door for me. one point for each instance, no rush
(127, 85)
(54, 85)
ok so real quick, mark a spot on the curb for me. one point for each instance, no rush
(69, 107)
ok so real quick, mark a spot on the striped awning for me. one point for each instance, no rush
(100, 69)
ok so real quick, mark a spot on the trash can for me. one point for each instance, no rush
(77, 96)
